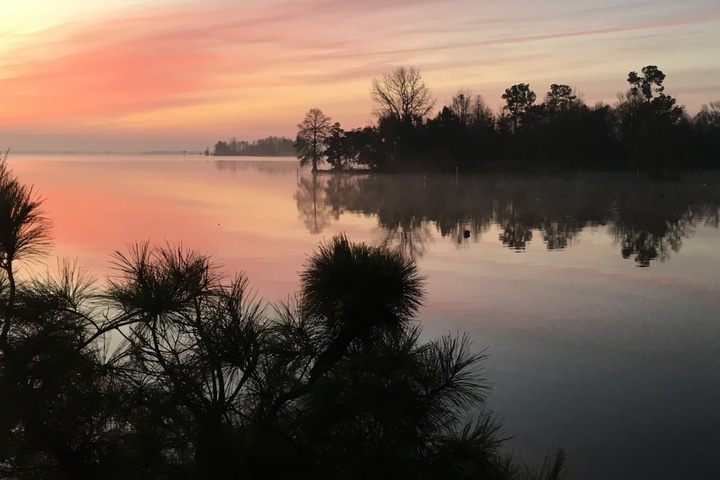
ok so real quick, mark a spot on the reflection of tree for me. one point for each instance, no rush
(340, 192)
(311, 204)
(648, 224)
(400, 204)
(711, 215)
(559, 234)
(515, 236)
(269, 167)
(646, 243)
(463, 231)
(410, 208)
(516, 214)
(410, 235)
(647, 221)
(644, 246)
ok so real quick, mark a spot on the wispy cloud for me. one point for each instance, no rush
(203, 56)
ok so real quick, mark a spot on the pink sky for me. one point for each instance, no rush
(179, 75)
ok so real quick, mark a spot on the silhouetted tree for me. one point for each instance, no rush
(402, 102)
(480, 114)
(24, 231)
(518, 99)
(197, 338)
(559, 99)
(358, 290)
(57, 402)
(468, 108)
(652, 127)
(310, 140)
(339, 150)
(369, 147)
(647, 85)
(402, 94)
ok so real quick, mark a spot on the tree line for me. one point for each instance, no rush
(646, 130)
(264, 147)
(173, 370)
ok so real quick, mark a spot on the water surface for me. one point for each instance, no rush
(596, 296)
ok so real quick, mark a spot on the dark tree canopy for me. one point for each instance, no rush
(560, 98)
(648, 84)
(339, 154)
(518, 100)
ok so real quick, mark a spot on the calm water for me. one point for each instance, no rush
(596, 296)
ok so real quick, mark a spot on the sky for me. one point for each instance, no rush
(135, 76)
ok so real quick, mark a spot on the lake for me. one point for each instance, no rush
(594, 295)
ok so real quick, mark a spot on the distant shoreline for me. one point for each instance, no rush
(106, 152)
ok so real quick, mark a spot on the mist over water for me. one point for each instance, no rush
(595, 295)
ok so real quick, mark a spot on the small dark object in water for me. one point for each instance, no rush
(466, 234)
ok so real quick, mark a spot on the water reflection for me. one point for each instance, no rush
(269, 167)
(646, 221)
(311, 204)
(650, 222)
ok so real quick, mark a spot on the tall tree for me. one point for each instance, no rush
(651, 124)
(518, 100)
(649, 99)
(480, 114)
(470, 108)
(402, 94)
(310, 140)
(461, 105)
(24, 231)
(560, 98)
(647, 84)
